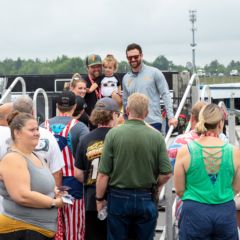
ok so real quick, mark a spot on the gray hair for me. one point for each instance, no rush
(23, 104)
(138, 105)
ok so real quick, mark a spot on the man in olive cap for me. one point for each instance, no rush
(94, 69)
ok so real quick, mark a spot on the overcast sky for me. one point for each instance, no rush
(46, 29)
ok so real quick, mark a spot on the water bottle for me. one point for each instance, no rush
(102, 214)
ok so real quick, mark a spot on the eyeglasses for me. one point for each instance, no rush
(133, 57)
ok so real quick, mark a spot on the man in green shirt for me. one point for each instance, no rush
(133, 162)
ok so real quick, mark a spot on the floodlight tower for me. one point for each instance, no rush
(193, 19)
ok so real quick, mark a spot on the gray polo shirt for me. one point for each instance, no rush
(151, 82)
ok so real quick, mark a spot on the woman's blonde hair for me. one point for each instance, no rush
(76, 78)
(209, 117)
(111, 59)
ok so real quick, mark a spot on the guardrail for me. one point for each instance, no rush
(46, 108)
(205, 89)
(9, 90)
(167, 230)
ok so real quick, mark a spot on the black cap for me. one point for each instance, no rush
(108, 104)
(66, 99)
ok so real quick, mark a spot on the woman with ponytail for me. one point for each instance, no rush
(206, 175)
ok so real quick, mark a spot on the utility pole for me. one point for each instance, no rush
(193, 19)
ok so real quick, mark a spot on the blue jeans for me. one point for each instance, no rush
(157, 126)
(208, 221)
(128, 208)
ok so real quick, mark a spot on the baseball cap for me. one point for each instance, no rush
(108, 104)
(66, 99)
(93, 59)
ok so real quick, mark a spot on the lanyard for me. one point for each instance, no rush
(98, 94)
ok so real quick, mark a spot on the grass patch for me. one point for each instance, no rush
(216, 80)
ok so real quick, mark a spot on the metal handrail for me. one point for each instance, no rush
(194, 77)
(40, 90)
(3, 83)
(202, 98)
(169, 223)
(9, 90)
(232, 132)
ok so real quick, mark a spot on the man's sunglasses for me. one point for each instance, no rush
(133, 57)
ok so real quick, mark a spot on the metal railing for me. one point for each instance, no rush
(40, 90)
(187, 91)
(3, 84)
(205, 89)
(167, 230)
(9, 90)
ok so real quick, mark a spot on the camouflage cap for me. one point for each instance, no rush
(93, 59)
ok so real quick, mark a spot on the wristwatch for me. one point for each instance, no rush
(99, 199)
(53, 204)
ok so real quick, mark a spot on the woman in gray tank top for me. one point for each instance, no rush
(27, 186)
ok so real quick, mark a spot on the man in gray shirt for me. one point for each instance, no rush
(151, 82)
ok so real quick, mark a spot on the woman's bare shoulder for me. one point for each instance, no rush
(13, 158)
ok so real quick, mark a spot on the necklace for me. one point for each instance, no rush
(211, 134)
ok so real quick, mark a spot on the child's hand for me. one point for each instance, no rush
(114, 92)
(88, 90)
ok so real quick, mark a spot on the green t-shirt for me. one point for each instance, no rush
(201, 186)
(134, 155)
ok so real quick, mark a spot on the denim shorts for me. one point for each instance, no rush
(208, 221)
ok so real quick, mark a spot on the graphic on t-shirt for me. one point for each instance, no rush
(43, 145)
(94, 152)
(62, 141)
(108, 85)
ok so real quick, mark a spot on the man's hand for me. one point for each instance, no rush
(101, 205)
(172, 121)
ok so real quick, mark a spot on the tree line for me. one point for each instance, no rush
(65, 64)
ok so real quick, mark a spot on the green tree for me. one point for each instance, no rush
(161, 63)
(215, 68)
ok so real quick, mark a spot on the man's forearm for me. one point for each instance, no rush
(162, 179)
(101, 185)
(58, 178)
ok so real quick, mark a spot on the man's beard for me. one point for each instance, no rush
(135, 64)
(96, 74)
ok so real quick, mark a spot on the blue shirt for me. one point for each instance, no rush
(151, 82)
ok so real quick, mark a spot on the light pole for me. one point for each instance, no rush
(193, 18)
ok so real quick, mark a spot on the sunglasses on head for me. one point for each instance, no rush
(133, 57)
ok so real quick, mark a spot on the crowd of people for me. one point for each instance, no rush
(95, 170)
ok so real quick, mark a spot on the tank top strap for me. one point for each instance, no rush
(27, 159)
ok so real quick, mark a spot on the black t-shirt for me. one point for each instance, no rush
(84, 119)
(91, 98)
(89, 151)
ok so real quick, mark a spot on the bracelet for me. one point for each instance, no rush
(99, 199)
